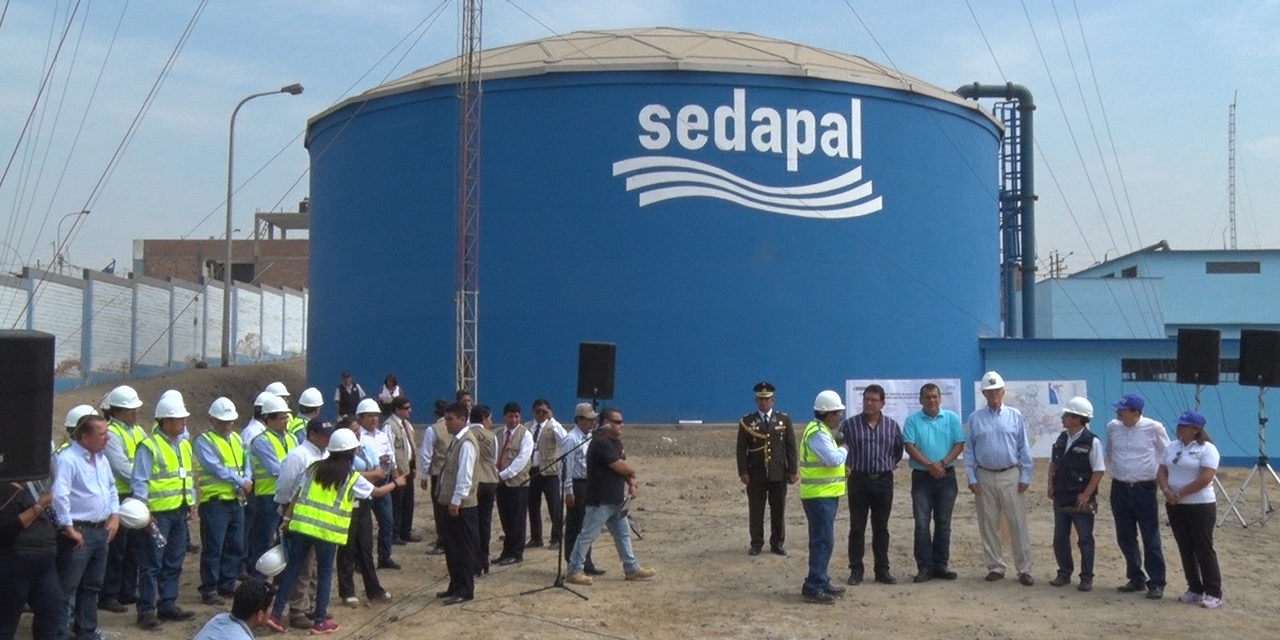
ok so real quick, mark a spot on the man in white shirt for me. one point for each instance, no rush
(544, 473)
(574, 480)
(404, 448)
(309, 451)
(1135, 446)
(461, 532)
(376, 439)
(515, 447)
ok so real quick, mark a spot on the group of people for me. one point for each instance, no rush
(856, 455)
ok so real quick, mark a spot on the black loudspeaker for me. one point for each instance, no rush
(1198, 356)
(595, 369)
(1259, 358)
(26, 404)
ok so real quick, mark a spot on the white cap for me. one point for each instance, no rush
(124, 397)
(223, 409)
(828, 401)
(342, 440)
(274, 404)
(277, 388)
(368, 405)
(992, 380)
(584, 410)
(77, 412)
(171, 407)
(311, 398)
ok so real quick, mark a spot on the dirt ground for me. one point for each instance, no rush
(692, 510)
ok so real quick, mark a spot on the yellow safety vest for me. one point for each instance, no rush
(264, 484)
(296, 425)
(170, 485)
(816, 479)
(324, 513)
(231, 453)
(130, 437)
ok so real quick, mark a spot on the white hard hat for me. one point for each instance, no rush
(342, 440)
(274, 404)
(223, 409)
(272, 562)
(1079, 406)
(311, 398)
(77, 412)
(368, 405)
(171, 407)
(257, 402)
(992, 380)
(134, 514)
(172, 393)
(827, 401)
(277, 388)
(124, 397)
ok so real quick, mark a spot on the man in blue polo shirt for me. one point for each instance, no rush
(934, 438)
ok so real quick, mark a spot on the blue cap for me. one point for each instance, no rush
(1131, 401)
(1191, 419)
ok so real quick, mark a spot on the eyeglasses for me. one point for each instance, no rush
(1176, 457)
(612, 421)
(405, 409)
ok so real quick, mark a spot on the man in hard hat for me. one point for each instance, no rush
(309, 404)
(266, 454)
(250, 607)
(251, 431)
(86, 506)
(311, 450)
(224, 485)
(377, 440)
(1075, 469)
(434, 438)
(120, 586)
(1133, 452)
(544, 474)
(875, 449)
(766, 465)
(515, 446)
(611, 481)
(163, 478)
(998, 466)
(71, 422)
(460, 529)
(934, 438)
(575, 481)
(402, 434)
(348, 395)
(822, 482)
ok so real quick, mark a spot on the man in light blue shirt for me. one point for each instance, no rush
(224, 486)
(250, 608)
(87, 512)
(934, 438)
(998, 465)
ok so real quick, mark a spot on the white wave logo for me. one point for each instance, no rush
(798, 134)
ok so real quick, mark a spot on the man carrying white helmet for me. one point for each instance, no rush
(251, 431)
(163, 478)
(267, 453)
(120, 586)
(1075, 469)
(224, 485)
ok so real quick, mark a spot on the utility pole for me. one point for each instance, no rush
(467, 297)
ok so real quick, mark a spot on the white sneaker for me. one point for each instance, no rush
(1211, 602)
(352, 602)
(1191, 597)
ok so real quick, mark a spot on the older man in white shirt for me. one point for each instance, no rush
(377, 440)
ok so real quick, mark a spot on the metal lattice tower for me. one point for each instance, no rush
(467, 298)
(1231, 170)
(1011, 205)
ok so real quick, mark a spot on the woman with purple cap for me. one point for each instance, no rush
(1186, 480)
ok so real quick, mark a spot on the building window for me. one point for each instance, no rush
(240, 271)
(1244, 266)
(1129, 272)
(1166, 370)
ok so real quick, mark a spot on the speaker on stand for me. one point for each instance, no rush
(1259, 367)
(26, 402)
(595, 371)
(1199, 362)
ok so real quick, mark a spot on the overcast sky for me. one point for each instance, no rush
(1132, 120)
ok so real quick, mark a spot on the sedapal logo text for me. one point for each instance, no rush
(792, 134)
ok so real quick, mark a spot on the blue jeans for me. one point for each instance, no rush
(162, 566)
(1062, 524)
(933, 499)
(30, 579)
(80, 571)
(821, 513)
(1134, 508)
(221, 545)
(262, 533)
(596, 518)
(386, 526)
(297, 545)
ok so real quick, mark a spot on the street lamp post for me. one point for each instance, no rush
(59, 252)
(293, 89)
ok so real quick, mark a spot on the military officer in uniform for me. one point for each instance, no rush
(766, 464)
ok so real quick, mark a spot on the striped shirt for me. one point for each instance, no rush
(877, 450)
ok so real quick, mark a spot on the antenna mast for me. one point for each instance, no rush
(1231, 170)
(467, 298)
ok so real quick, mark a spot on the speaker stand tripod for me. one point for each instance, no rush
(558, 583)
(1217, 483)
(1261, 471)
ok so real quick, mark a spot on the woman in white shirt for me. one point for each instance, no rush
(1186, 480)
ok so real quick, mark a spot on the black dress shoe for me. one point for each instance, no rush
(1131, 587)
(753, 551)
(504, 562)
(944, 574)
(411, 538)
(854, 579)
(993, 576)
(886, 579)
(444, 594)
(592, 571)
(176, 614)
(435, 550)
(212, 599)
(922, 576)
(148, 622)
(112, 605)
(455, 600)
(533, 543)
(1155, 593)
(397, 542)
(778, 551)
(818, 598)
(836, 591)
(389, 564)
(553, 543)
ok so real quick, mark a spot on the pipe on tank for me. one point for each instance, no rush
(1026, 106)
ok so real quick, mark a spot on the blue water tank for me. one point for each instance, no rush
(725, 208)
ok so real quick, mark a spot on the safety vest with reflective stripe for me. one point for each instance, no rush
(264, 484)
(324, 513)
(170, 485)
(231, 453)
(817, 480)
(296, 425)
(130, 437)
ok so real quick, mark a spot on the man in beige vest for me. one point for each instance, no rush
(515, 446)
(486, 479)
(435, 438)
(458, 530)
(401, 431)
(544, 474)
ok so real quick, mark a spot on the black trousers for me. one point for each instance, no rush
(461, 536)
(869, 493)
(357, 553)
(1192, 526)
(31, 580)
(438, 512)
(486, 496)
(547, 487)
(402, 510)
(573, 523)
(513, 502)
(775, 493)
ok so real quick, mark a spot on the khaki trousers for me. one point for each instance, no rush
(1000, 501)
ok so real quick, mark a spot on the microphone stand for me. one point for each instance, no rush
(558, 583)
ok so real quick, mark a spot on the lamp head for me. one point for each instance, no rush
(293, 89)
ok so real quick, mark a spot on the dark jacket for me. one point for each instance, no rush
(766, 451)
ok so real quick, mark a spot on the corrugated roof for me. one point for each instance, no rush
(662, 49)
